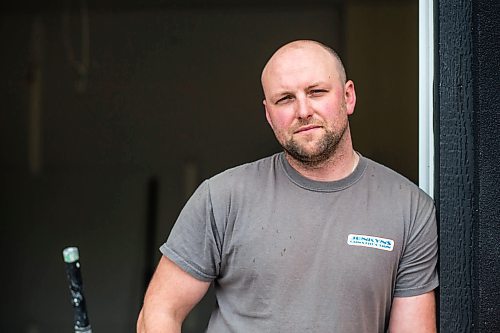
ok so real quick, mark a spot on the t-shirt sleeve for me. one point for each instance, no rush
(417, 272)
(194, 242)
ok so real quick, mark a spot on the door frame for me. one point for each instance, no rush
(425, 103)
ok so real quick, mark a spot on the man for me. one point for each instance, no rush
(314, 239)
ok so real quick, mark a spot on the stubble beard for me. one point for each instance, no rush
(324, 150)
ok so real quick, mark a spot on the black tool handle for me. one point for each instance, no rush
(74, 275)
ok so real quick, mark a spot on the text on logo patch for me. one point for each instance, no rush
(371, 241)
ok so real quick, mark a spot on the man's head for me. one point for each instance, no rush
(308, 101)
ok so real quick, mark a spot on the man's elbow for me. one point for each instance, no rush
(154, 321)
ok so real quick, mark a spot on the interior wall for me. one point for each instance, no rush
(166, 89)
(382, 60)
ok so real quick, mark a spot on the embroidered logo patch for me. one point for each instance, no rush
(371, 241)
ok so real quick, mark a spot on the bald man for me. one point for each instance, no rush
(317, 238)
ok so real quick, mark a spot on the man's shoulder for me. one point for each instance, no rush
(252, 171)
(384, 171)
(387, 177)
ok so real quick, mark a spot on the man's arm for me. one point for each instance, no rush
(416, 314)
(171, 294)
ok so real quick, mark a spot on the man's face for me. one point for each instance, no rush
(306, 102)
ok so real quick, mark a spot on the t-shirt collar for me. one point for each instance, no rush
(323, 186)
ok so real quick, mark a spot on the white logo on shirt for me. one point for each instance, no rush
(371, 241)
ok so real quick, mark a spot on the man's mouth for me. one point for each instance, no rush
(306, 128)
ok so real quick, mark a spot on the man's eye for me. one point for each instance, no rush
(318, 92)
(284, 99)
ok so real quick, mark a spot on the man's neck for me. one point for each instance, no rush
(338, 166)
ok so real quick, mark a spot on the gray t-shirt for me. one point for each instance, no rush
(288, 254)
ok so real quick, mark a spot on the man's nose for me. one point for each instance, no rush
(304, 109)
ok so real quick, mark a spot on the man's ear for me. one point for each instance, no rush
(350, 97)
(268, 117)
